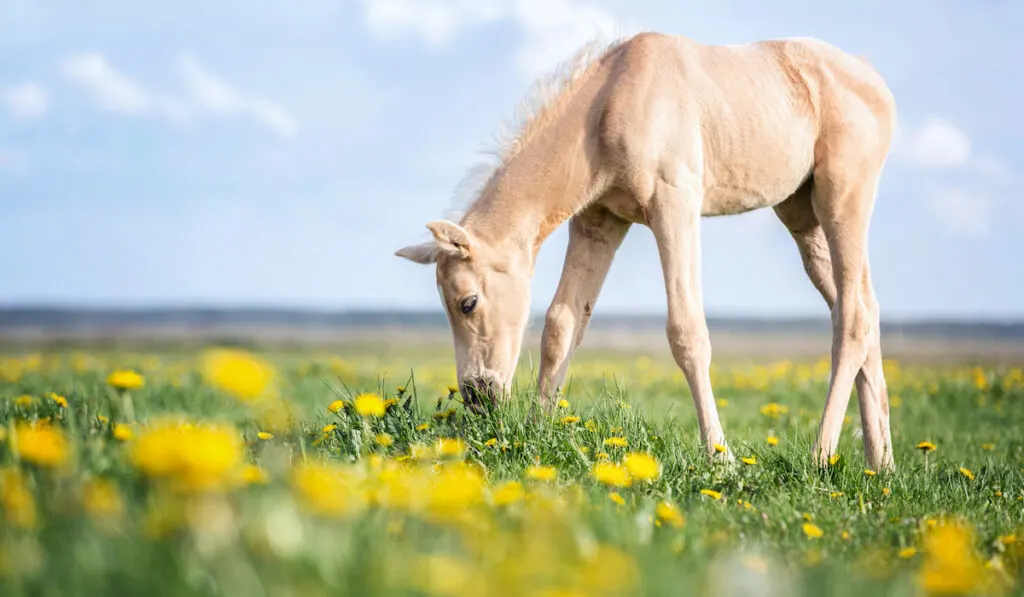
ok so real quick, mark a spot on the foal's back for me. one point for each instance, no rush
(749, 122)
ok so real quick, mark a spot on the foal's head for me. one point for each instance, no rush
(485, 291)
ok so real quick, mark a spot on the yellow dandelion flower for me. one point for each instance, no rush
(722, 403)
(907, 552)
(369, 405)
(122, 432)
(491, 442)
(772, 440)
(886, 491)
(719, 448)
(563, 403)
(812, 530)
(988, 447)
(616, 497)
(569, 420)
(711, 493)
(602, 456)
(41, 444)
(329, 428)
(423, 427)
(926, 446)
(384, 440)
(642, 467)
(125, 379)
(967, 473)
(541, 473)
(102, 419)
(265, 435)
(834, 459)
(24, 401)
(869, 473)
(253, 475)
(336, 406)
(19, 504)
(670, 514)
(751, 460)
(508, 493)
(773, 410)
(612, 474)
(616, 442)
(60, 400)
(237, 372)
(447, 446)
(590, 426)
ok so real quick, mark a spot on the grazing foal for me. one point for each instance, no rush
(661, 130)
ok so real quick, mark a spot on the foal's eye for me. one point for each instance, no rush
(467, 304)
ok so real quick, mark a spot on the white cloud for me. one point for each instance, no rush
(434, 21)
(555, 30)
(26, 101)
(964, 212)
(209, 94)
(936, 143)
(109, 88)
(213, 94)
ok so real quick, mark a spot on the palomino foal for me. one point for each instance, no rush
(661, 130)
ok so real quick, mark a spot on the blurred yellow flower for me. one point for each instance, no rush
(563, 403)
(967, 473)
(237, 372)
(327, 489)
(369, 405)
(125, 379)
(41, 444)
(447, 446)
(542, 473)
(508, 493)
(265, 435)
(670, 514)
(812, 530)
(642, 467)
(711, 493)
(612, 474)
(616, 442)
(570, 419)
(616, 497)
(253, 474)
(122, 432)
(751, 460)
(19, 505)
(926, 446)
(907, 552)
(336, 406)
(60, 400)
(772, 440)
(774, 410)
(193, 457)
(383, 439)
(870, 473)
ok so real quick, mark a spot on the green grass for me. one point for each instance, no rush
(569, 536)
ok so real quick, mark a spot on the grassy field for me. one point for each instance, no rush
(229, 473)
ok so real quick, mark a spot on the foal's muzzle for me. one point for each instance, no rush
(478, 394)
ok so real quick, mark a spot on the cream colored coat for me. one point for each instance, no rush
(661, 130)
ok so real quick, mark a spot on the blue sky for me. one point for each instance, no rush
(278, 153)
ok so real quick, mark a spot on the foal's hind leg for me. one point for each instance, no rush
(798, 216)
(842, 196)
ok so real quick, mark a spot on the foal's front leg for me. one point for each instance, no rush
(594, 236)
(674, 217)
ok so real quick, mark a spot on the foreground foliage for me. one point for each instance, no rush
(221, 473)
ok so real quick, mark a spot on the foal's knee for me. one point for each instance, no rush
(690, 344)
(559, 324)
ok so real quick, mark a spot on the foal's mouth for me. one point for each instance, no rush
(478, 394)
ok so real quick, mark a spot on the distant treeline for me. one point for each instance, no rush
(57, 319)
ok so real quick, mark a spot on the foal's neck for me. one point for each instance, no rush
(550, 179)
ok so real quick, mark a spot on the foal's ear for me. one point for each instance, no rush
(451, 238)
(422, 253)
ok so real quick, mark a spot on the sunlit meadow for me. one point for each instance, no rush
(228, 472)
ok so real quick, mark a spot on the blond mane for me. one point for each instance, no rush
(545, 101)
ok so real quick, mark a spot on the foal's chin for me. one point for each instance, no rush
(481, 394)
